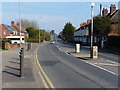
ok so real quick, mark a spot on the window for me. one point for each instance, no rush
(4, 32)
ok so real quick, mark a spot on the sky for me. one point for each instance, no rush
(51, 15)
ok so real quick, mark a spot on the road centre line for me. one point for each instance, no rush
(42, 71)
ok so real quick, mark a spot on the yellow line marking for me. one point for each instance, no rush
(47, 79)
(44, 83)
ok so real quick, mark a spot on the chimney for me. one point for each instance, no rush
(88, 21)
(81, 25)
(12, 23)
(112, 8)
(100, 10)
(104, 12)
(17, 24)
(84, 23)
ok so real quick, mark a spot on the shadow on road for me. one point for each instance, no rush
(49, 63)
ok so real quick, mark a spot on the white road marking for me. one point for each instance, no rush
(107, 64)
(62, 50)
(59, 48)
(101, 68)
(112, 61)
(66, 53)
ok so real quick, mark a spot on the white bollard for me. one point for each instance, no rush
(77, 48)
(95, 52)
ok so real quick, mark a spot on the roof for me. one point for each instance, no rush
(83, 27)
(8, 27)
(15, 28)
(114, 16)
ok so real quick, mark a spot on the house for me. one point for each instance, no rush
(114, 17)
(82, 34)
(16, 27)
(6, 30)
(13, 30)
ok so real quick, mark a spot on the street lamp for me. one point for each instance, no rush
(92, 5)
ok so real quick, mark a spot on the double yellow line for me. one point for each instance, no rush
(45, 80)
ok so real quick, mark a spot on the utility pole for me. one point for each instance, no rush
(20, 24)
(92, 5)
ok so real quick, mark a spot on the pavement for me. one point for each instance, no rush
(11, 69)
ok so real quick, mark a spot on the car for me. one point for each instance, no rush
(53, 42)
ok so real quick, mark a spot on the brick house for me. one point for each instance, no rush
(6, 30)
(13, 30)
(114, 17)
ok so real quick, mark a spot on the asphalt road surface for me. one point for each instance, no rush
(65, 71)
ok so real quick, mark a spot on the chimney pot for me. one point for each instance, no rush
(12, 23)
(112, 8)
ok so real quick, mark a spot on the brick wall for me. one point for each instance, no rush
(114, 30)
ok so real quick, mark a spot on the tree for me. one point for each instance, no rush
(102, 26)
(34, 34)
(68, 32)
(26, 23)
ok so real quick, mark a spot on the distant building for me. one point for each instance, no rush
(82, 34)
(52, 32)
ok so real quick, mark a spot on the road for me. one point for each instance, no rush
(65, 71)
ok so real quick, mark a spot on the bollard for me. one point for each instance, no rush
(29, 46)
(94, 52)
(21, 61)
(77, 48)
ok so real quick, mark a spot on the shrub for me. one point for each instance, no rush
(4, 41)
(33, 40)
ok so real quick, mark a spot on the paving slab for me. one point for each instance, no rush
(11, 70)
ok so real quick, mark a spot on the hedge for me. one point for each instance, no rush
(33, 40)
(114, 41)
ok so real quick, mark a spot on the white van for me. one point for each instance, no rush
(16, 39)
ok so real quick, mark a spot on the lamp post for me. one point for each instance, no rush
(92, 5)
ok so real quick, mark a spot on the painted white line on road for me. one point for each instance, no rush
(66, 53)
(106, 64)
(112, 61)
(59, 48)
(62, 50)
(101, 68)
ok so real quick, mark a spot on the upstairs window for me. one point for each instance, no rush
(4, 32)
